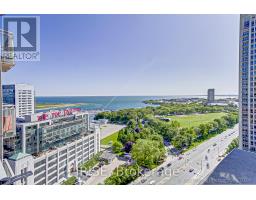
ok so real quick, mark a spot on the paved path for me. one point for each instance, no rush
(178, 173)
(100, 175)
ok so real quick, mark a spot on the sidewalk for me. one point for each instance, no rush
(100, 175)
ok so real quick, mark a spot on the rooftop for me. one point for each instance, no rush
(18, 156)
(238, 167)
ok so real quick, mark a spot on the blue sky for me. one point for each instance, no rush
(133, 55)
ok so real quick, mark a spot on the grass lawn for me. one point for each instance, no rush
(194, 120)
(108, 139)
(70, 181)
(90, 163)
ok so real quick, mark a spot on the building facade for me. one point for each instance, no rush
(247, 82)
(52, 145)
(9, 129)
(22, 96)
(210, 96)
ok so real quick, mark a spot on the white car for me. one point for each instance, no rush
(152, 182)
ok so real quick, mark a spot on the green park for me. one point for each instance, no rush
(147, 131)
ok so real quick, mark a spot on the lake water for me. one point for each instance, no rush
(110, 102)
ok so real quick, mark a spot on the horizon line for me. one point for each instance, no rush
(134, 95)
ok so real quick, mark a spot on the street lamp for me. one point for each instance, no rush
(6, 63)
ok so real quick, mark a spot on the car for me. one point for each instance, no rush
(180, 158)
(191, 170)
(143, 180)
(169, 164)
(101, 164)
(214, 144)
(152, 182)
(206, 157)
(84, 173)
(159, 173)
(209, 150)
(208, 165)
(219, 159)
(144, 170)
(161, 169)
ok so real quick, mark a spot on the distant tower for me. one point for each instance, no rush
(210, 96)
(22, 96)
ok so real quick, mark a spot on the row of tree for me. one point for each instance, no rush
(181, 137)
(125, 115)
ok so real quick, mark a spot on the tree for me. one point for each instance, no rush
(148, 153)
(131, 124)
(117, 147)
(234, 144)
(128, 147)
(123, 175)
(203, 130)
(179, 141)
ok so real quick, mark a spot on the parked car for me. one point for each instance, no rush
(144, 170)
(214, 144)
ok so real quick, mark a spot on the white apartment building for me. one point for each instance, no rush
(22, 96)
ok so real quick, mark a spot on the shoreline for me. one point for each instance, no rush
(47, 106)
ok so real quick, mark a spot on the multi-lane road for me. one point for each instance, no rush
(194, 165)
